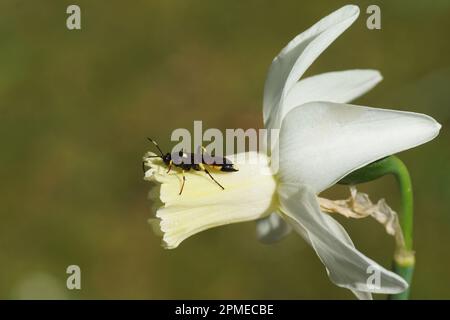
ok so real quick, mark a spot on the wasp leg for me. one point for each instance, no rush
(209, 174)
(143, 166)
(182, 184)
(204, 151)
(209, 159)
(170, 166)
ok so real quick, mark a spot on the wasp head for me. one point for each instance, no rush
(166, 158)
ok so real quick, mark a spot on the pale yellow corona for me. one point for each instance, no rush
(248, 194)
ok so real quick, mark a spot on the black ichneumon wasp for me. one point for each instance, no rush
(197, 162)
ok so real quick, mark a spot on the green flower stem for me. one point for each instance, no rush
(406, 272)
(404, 261)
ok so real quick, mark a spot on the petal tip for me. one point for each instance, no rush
(438, 127)
(431, 126)
(377, 76)
(351, 9)
(400, 287)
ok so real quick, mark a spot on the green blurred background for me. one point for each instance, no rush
(76, 107)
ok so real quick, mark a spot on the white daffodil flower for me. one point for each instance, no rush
(321, 140)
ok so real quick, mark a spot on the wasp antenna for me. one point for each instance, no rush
(154, 142)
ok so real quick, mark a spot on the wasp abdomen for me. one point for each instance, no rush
(228, 167)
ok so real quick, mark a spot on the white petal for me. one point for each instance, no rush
(299, 54)
(272, 228)
(321, 142)
(340, 86)
(346, 266)
(248, 195)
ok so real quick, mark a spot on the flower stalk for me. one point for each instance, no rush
(404, 261)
